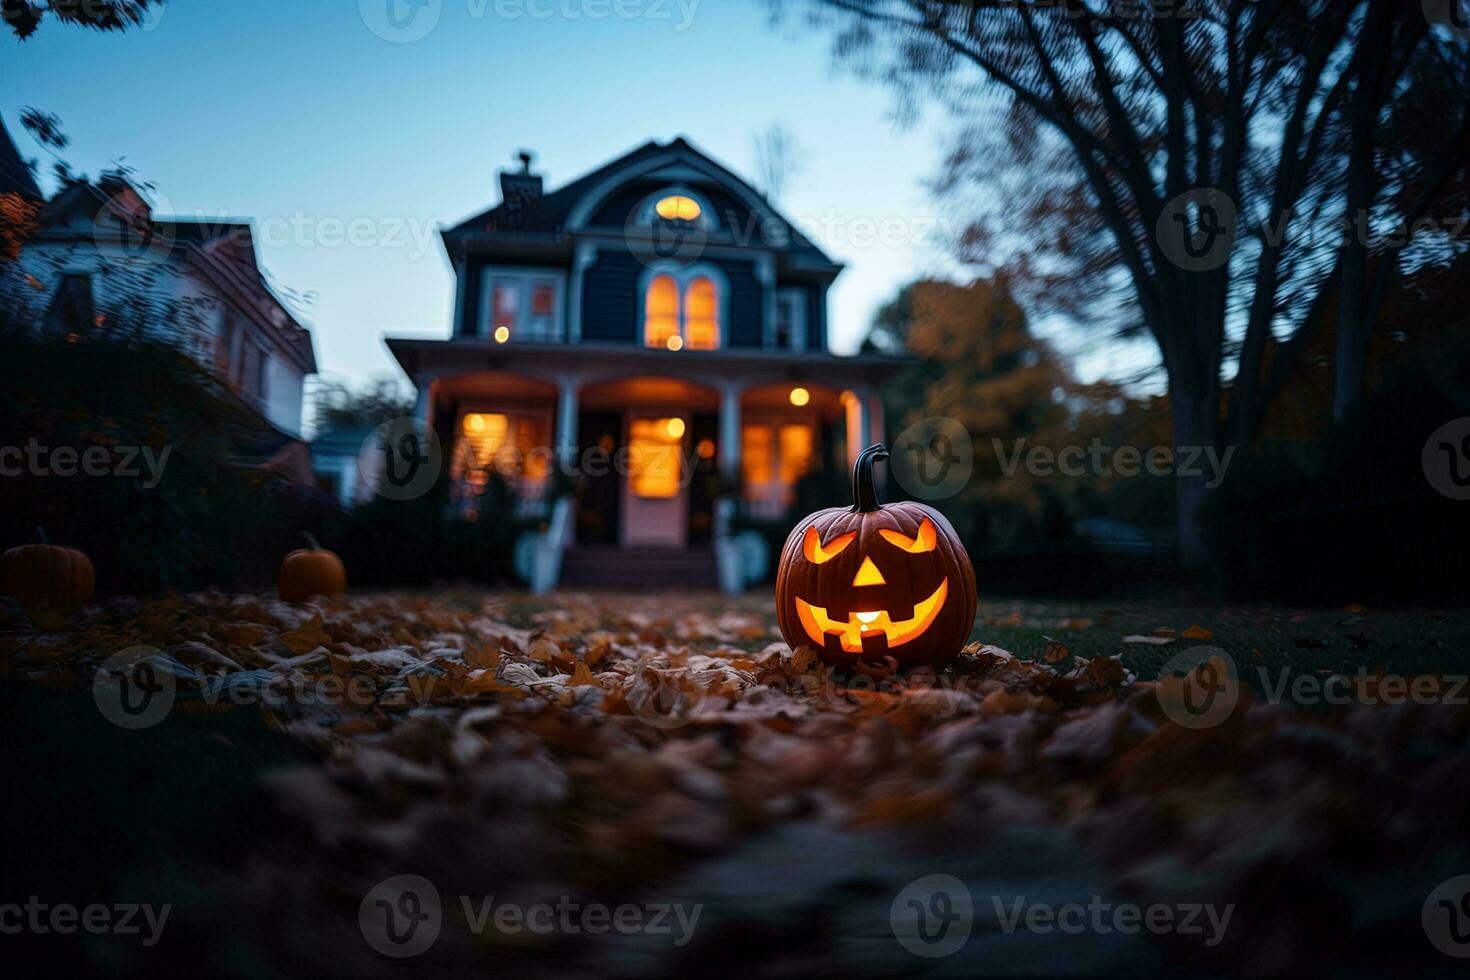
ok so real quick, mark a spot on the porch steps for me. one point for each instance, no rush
(638, 568)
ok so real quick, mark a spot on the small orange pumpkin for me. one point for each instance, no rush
(311, 571)
(876, 581)
(47, 576)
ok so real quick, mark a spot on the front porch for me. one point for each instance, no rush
(634, 453)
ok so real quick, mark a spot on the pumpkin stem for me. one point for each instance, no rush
(41, 535)
(864, 496)
(311, 541)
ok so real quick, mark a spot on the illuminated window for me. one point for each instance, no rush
(661, 311)
(681, 309)
(796, 452)
(654, 457)
(541, 320)
(505, 302)
(677, 207)
(484, 437)
(512, 445)
(755, 453)
(531, 441)
(701, 316)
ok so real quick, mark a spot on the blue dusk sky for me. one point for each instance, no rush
(348, 138)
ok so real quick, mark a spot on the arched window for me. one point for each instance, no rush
(682, 307)
(681, 207)
(661, 311)
(701, 314)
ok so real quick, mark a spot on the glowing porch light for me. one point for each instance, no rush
(675, 342)
(675, 428)
(800, 396)
(502, 334)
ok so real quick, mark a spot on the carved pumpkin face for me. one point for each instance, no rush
(871, 581)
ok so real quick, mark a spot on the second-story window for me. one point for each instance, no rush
(661, 313)
(789, 330)
(702, 314)
(682, 309)
(523, 305)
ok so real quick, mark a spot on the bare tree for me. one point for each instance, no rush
(1207, 173)
(779, 158)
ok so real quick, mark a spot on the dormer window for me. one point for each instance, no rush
(678, 207)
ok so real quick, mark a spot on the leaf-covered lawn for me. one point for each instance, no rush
(671, 749)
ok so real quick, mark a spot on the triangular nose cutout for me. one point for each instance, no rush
(868, 574)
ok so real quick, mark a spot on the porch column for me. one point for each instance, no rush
(423, 402)
(729, 455)
(875, 419)
(566, 420)
(859, 425)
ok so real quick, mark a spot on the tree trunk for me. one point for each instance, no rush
(1194, 403)
(1196, 427)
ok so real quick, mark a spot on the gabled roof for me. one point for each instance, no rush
(220, 249)
(15, 176)
(550, 215)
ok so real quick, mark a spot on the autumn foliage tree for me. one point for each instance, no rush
(1204, 173)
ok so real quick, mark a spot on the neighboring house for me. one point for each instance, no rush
(659, 329)
(334, 460)
(100, 261)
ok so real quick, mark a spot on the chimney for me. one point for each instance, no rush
(520, 192)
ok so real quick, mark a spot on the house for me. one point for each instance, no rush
(336, 461)
(640, 344)
(99, 261)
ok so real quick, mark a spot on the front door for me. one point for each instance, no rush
(656, 492)
(599, 511)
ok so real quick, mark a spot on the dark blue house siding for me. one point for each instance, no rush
(466, 325)
(816, 318)
(610, 297)
(745, 307)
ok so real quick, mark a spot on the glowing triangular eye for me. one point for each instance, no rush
(924, 541)
(868, 574)
(811, 546)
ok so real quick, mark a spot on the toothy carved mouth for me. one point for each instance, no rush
(871, 625)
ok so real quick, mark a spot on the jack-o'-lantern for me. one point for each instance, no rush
(311, 571)
(876, 581)
(46, 576)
